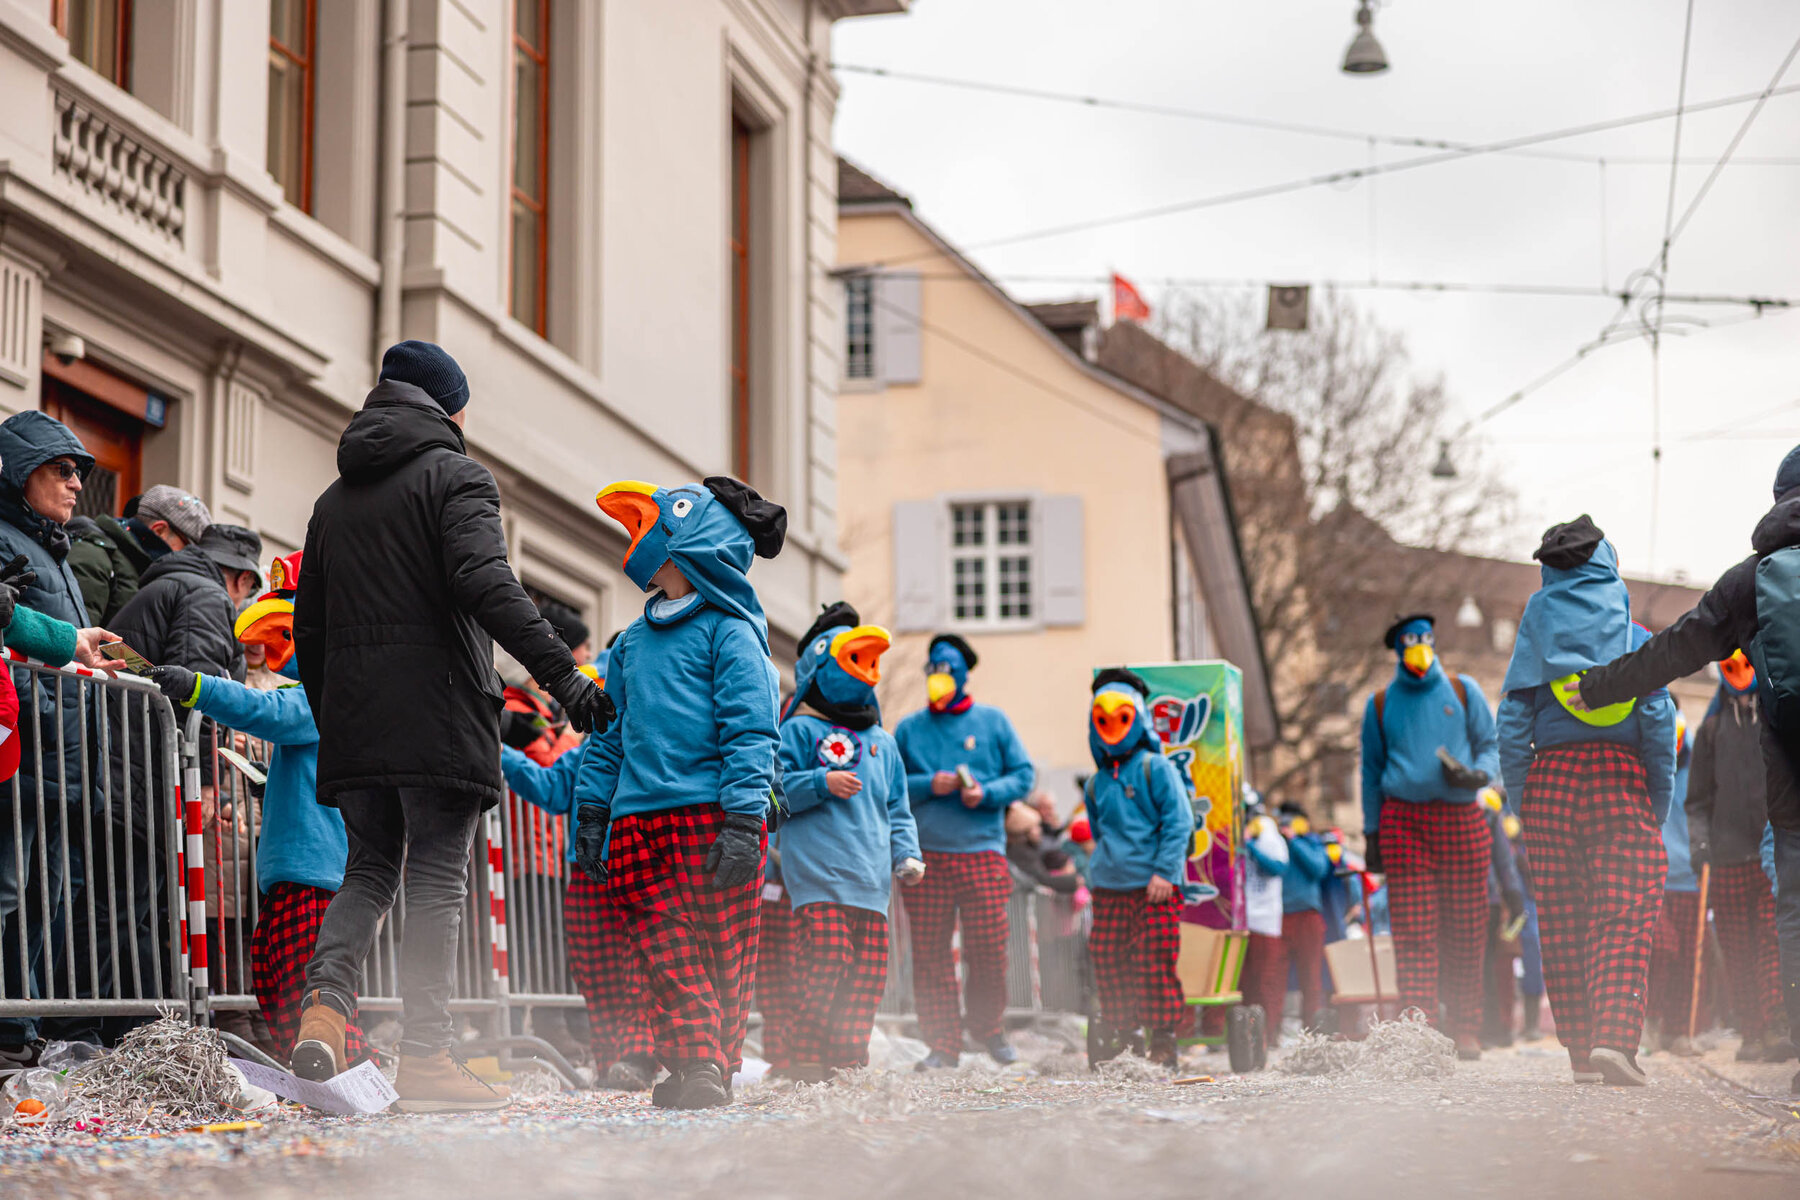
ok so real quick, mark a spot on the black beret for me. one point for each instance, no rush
(830, 617)
(1391, 638)
(963, 648)
(1570, 544)
(1130, 679)
(764, 520)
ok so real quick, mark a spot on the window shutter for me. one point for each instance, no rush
(1062, 570)
(897, 331)
(919, 541)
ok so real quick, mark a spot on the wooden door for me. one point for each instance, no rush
(114, 438)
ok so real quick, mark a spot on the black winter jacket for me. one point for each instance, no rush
(182, 616)
(1726, 801)
(1723, 621)
(404, 587)
(107, 562)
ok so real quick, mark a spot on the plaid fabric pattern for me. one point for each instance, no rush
(1744, 915)
(775, 980)
(840, 969)
(974, 887)
(287, 925)
(1597, 869)
(694, 942)
(1303, 936)
(606, 973)
(1133, 945)
(1263, 981)
(1437, 864)
(1672, 965)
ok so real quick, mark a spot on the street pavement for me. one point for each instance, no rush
(1509, 1125)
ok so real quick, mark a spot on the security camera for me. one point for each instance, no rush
(68, 347)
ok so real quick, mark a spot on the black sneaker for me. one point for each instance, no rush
(702, 1087)
(936, 1061)
(632, 1073)
(1618, 1068)
(663, 1094)
(1001, 1050)
(1778, 1049)
(19, 1058)
(1749, 1050)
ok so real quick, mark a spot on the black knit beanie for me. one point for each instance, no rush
(429, 368)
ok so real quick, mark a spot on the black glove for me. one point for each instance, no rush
(591, 821)
(1460, 776)
(16, 573)
(589, 709)
(518, 729)
(1372, 852)
(177, 683)
(1699, 855)
(736, 854)
(1514, 902)
(9, 600)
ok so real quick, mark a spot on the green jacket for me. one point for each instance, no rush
(106, 560)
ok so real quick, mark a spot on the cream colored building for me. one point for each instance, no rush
(617, 214)
(998, 484)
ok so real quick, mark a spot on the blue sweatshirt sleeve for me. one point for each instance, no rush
(1016, 775)
(281, 716)
(801, 778)
(903, 831)
(1503, 860)
(745, 704)
(597, 778)
(1260, 850)
(1483, 741)
(1306, 857)
(1656, 748)
(1374, 762)
(550, 788)
(1516, 750)
(918, 775)
(1175, 817)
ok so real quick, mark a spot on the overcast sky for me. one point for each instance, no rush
(982, 167)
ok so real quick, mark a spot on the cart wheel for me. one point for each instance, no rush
(1259, 1035)
(1243, 1026)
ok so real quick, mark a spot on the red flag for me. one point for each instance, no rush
(1127, 304)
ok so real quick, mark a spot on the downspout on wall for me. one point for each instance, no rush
(392, 222)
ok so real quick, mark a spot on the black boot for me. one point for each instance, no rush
(1164, 1051)
(1534, 1008)
(632, 1073)
(1103, 1044)
(702, 1086)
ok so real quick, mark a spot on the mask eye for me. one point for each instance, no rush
(1409, 639)
(1428, 639)
(820, 646)
(682, 507)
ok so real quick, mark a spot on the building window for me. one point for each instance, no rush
(991, 563)
(292, 37)
(742, 432)
(859, 327)
(531, 162)
(99, 33)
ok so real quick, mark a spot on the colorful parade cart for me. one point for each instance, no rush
(1198, 709)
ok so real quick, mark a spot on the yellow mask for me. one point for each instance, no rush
(939, 688)
(1418, 659)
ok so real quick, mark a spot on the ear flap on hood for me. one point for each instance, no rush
(764, 520)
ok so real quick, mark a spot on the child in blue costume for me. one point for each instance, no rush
(1143, 828)
(301, 849)
(1678, 927)
(671, 799)
(602, 964)
(1424, 828)
(846, 831)
(1592, 788)
(962, 829)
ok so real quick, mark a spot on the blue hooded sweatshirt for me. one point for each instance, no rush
(1142, 819)
(691, 680)
(1681, 877)
(1308, 868)
(1399, 753)
(981, 738)
(840, 851)
(302, 841)
(1580, 618)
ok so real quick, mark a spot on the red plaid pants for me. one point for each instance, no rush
(606, 973)
(974, 887)
(287, 925)
(1437, 863)
(1133, 945)
(840, 970)
(1744, 914)
(1672, 965)
(695, 943)
(1597, 869)
(775, 979)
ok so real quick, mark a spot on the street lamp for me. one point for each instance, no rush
(1365, 55)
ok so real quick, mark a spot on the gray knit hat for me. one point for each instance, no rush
(185, 512)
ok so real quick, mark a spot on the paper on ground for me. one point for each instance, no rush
(361, 1089)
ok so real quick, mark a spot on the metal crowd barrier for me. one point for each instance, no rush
(92, 883)
(1046, 954)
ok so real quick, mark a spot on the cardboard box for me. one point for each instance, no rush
(1350, 973)
(1210, 961)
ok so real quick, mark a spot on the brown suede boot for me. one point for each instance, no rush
(438, 1083)
(318, 1052)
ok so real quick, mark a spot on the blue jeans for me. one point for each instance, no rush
(1787, 920)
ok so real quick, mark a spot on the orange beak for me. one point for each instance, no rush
(1738, 672)
(632, 505)
(1114, 715)
(859, 652)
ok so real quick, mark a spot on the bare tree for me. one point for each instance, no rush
(1329, 443)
